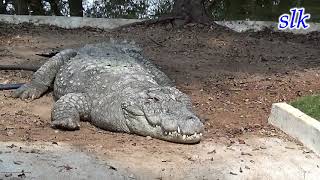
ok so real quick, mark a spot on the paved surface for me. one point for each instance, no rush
(251, 158)
(51, 161)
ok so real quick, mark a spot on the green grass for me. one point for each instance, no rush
(310, 105)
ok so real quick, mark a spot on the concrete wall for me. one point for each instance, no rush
(68, 22)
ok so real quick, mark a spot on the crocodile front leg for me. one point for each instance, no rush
(69, 109)
(43, 78)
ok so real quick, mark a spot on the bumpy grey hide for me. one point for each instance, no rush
(116, 89)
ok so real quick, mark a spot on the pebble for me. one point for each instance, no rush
(244, 153)
(149, 138)
(232, 173)
(241, 141)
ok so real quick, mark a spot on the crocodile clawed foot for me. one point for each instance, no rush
(66, 124)
(30, 91)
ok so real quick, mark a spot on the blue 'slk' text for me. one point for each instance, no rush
(295, 20)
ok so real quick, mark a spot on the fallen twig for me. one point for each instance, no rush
(156, 42)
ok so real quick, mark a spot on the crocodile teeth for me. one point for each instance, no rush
(179, 130)
(184, 137)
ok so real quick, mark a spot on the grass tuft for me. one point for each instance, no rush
(310, 105)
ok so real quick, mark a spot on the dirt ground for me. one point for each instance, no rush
(232, 78)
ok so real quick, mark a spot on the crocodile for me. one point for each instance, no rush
(111, 85)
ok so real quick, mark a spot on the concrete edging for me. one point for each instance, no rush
(68, 22)
(297, 124)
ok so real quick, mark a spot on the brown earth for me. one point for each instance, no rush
(232, 78)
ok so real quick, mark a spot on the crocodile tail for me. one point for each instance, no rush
(19, 67)
(10, 86)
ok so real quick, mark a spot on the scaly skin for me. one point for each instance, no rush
(116, 89)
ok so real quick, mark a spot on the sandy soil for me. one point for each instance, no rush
(232, 79)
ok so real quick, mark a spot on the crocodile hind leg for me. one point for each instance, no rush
(43, 78)
(69, 109)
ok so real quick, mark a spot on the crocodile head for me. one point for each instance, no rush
(163, 113)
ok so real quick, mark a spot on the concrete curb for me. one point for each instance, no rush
(297, 124)
(68, 22)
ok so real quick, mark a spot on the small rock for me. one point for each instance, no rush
(8, 175)
(263, 147)
(211, 152)
(257, 125)
(65, 167)
(193, 158)
(35, 151)
(287, 147)
(20, 112)
(22, 174)
(241, 141)
(149, 138)
(17, 162)
(256, 149)
(240, 170)
(306, 151)
(232, 173)
(245, 153)
(12, 146)
(247, 167)
(54, 143)
(113, 168)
